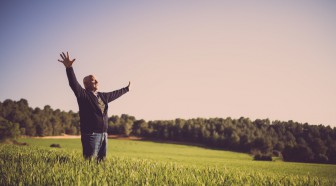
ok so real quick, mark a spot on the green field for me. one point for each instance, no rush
(149, 163)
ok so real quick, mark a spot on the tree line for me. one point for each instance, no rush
(290, 140)
(37, 122)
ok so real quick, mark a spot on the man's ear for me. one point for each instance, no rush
(84, 82)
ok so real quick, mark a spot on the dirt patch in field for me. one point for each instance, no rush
(78, 137)
(14, 142)
(65, 136)
(124, 137)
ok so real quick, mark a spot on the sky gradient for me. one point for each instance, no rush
(185, 59)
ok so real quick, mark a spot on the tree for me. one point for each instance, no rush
(233, 140)
(298, 153)
(331, 153)
(262, 144)
(8, 130)
(279, 146)
(318, 146)
(127, 127)
(138, 126)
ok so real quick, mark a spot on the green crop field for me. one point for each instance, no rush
(149, 163)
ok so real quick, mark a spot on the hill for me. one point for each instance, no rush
(142, 162)
(289, 140)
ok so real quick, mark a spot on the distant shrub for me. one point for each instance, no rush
(263, 157)
(55, 145)
(277, 153)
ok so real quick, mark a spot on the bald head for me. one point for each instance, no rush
(90, 83)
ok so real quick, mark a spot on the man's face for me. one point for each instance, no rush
(90, 83)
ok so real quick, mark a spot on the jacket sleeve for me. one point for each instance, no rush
(110, 96)
(75, 86)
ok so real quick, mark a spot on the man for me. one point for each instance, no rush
(93, 106)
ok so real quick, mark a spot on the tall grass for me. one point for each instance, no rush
(43, 166)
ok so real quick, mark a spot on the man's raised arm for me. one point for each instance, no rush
(117, 93)
(75, 86)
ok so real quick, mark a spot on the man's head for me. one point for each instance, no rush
(90, 83)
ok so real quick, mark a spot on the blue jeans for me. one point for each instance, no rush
(94, 145)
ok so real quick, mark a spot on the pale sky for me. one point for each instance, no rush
(185, 59)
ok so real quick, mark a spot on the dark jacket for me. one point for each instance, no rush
(92, 119)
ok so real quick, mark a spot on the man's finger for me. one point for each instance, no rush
(68, 55)
(60, 61)
(64, 57)
(73, 60)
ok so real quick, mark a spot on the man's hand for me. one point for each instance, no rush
(66, 60)
(129, 84)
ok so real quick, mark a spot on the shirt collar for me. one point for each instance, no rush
(95, 93)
